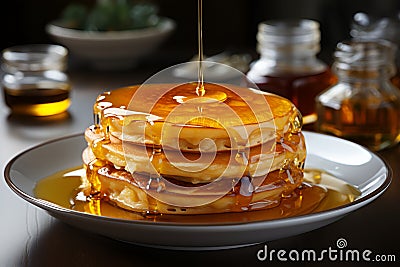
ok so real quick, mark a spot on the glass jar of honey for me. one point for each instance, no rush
(364, 106)
(288, 65)
(34, 81)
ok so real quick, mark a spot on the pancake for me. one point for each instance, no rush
(161, 148)
(154, 115)
(121, 188)
(260, 159)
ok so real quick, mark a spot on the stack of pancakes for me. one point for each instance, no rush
(163, 148)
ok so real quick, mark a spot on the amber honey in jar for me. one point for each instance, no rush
(34, 81)
(364, 106)
(288, 63)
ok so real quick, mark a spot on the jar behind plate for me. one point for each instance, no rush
(34, 81)
(288, 65)
(364, 106)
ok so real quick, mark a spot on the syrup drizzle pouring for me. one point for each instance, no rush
(200, 90)
(241, 155)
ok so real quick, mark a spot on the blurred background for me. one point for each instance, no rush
(228, 25)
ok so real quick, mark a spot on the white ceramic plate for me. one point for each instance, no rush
(347, 161)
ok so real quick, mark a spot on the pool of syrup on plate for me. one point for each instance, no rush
(319, 192)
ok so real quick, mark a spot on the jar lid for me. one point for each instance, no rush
(35, 57)
(292, 36)
(367, 27)
(365, 55)
(291, 31)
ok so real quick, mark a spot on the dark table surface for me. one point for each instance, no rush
(31, 237)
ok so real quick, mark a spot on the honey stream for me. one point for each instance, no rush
(200, 91)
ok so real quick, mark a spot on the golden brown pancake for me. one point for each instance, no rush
(251, 117)
(158, 148)
(260, 160)
(121, 188)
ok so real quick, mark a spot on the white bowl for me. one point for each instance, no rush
(112, 49)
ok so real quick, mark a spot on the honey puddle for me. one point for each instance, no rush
(320, 191)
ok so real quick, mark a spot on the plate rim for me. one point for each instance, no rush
(51, 207)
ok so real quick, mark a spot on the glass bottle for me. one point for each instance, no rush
(288, 65)
(34, 81)
(364, 106)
